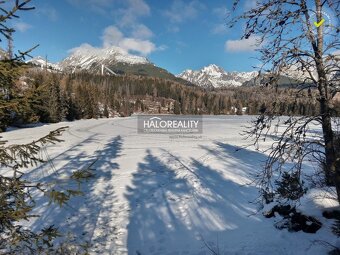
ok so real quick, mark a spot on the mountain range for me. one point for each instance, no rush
(213, 76)
(115, 61)
(108, 60)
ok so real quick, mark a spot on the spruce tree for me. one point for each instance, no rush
(54, 102)
(16, 192)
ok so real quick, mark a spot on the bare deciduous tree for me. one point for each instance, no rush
(296, 36)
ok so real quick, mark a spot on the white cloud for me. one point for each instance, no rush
(86, 48)
(181, 11)
(128, 34)
(136, 45)
(83, 47)
(21, 26)
(244, 45)
(142, 32)
(112, 36)
(134, 10)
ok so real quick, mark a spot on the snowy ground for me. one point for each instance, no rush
(155, 194)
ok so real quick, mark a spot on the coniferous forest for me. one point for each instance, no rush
(43, 96)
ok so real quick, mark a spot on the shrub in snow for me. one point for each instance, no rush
(290, 186)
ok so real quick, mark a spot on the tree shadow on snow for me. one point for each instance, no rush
(179, 206)
(74, 157)
(84, 214)
(152, 218)
(238, 160)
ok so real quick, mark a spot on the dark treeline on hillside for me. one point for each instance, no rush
(50, 97)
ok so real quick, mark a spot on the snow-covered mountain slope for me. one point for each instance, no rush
(90, 59)
(112, 60)
(41, 62)
(87, 58)
(213, 76)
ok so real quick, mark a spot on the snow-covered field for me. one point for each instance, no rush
(155, 194)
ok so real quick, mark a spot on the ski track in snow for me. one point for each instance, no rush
(153, 194)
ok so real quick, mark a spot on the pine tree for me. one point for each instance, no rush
(16, 193)
(239, 110)
(9, 99)
(54, 102)
(106, 111)
(177, 108)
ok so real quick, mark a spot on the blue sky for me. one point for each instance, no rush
(173, 34)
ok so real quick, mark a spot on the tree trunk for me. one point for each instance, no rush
(337, 164)
(332, 171)
(329, 142)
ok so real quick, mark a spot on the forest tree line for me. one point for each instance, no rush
(52, 97)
